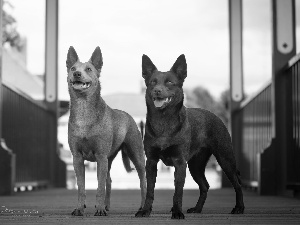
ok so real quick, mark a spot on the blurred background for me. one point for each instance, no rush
(125, 30)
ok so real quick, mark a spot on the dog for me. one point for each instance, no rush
(97, 133)
(182, 137)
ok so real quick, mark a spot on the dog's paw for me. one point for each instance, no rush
(238, 210)
(77, 212)
(194, 210)
(101, 213)
(177, 214)
(143, 213)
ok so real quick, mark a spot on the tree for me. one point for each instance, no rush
(200, 97)
(222, 107)
(10, 34)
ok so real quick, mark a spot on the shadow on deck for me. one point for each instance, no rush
(54, 206)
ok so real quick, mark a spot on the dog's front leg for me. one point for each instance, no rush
(151, 174)
(179, 175)
(108, 187)
(102, 168)
(78, 163)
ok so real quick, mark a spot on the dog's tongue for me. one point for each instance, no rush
(78, 85)
(159, 103)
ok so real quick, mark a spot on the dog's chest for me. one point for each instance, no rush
(83, 125)
(87, 149)
(83, 119)
(89, 139)
(83, 130)
(164, 133)
(164, 127)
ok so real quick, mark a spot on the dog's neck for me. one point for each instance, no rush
(86, 109)
(165, 122)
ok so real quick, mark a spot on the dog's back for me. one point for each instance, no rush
(208, 131)
(125, 133)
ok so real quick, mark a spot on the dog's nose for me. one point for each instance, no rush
(77, 74)
(157, 91)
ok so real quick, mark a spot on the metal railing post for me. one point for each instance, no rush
(1, 53)
(284, 48)
(236, 76)
(57, 172)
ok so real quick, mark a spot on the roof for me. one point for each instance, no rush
(133, 104)
(15, 74)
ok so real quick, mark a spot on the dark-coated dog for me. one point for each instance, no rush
(182, 137)
(97, 133)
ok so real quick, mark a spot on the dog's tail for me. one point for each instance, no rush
(126, 160)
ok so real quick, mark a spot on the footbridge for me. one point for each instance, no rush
(265, 130)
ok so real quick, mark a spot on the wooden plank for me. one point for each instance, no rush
(54, 206)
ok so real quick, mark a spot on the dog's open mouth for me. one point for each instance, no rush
(161, 102)
(78, 85)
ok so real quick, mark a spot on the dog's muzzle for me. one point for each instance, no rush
(161, 102)
(79, 85)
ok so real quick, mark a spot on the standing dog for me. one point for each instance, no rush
(180, 136)
(97, 132)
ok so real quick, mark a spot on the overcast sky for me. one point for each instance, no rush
(161, 29)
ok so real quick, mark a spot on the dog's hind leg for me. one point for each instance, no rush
(135, 151)
(140, 167)
(78, 163)
(197, 166)
(228, 164)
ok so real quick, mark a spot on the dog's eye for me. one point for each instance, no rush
(153, 82)
(88, 69)
(73, 68)
(169, 82)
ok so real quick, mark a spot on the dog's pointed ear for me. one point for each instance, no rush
(72, 58)
(147, 67)
(97, 59)
(180, 67)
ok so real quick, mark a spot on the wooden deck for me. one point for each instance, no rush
(54, 206)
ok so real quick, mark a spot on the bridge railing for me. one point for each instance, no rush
(293, 152)
(256, 132)
(257, 146)
(29, 130)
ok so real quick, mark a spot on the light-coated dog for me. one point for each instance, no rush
(97, 133)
